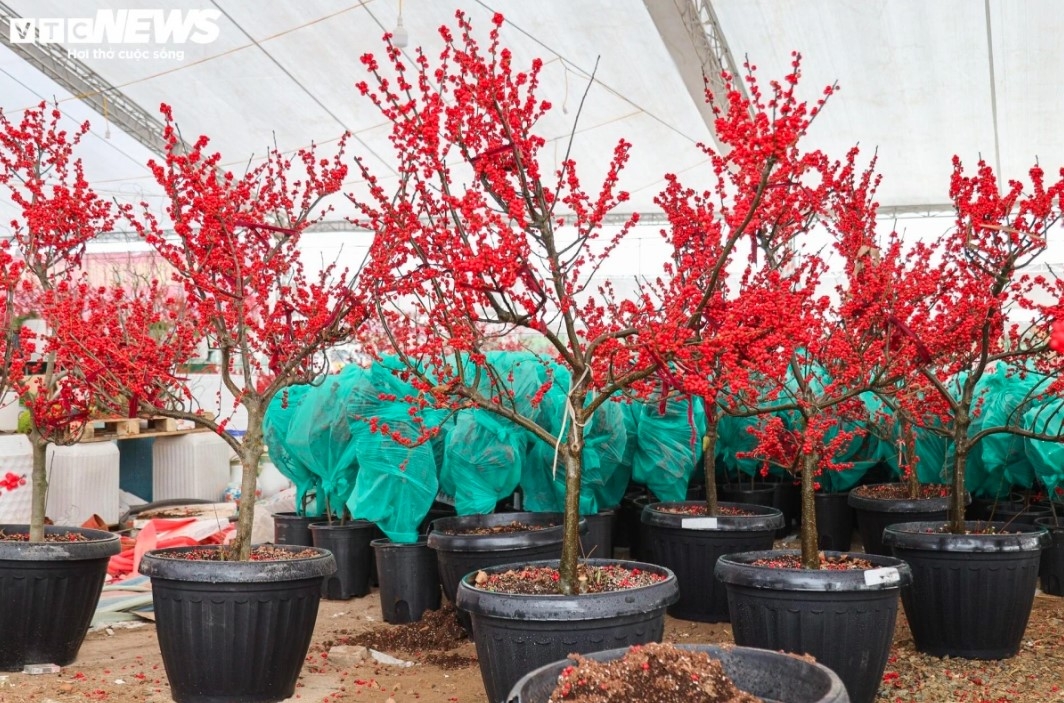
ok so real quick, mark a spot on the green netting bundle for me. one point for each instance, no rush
(1008, 396)
(604, 476)
(275, 427)
(483, 452)
(1046, 457)
(321, 433)
(397, 476)
(668, 443)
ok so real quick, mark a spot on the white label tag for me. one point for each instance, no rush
(699, 523)
(886, 575)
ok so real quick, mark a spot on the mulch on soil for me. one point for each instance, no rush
(543, 580)
(652, 673)
(436, 632)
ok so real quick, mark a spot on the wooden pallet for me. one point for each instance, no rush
(114, 428)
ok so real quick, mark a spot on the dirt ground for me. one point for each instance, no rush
(122, 665)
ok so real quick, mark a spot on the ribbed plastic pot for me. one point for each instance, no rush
(234, 631)
(843, 618)
(971, 594)
(834, 521)
(349, 544)
(409, 579)
(458, 554)
(597, 543)
(787, 497)
(1019, 512)
(1051, 571)
(689, 546)
(757, 494)
(874, 514)
(516, 633)
(772, 676)
(49, 592)
(292, 528)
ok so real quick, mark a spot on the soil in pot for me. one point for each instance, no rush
(651, 672)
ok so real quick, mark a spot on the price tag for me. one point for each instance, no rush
(884, 576)
(699, 523)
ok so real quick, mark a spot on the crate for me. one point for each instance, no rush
(16, 456)
(82, 482)
(190, 466)
(118, 427)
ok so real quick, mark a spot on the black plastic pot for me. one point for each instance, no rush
(627, 526)
(349, 544)
(689, 546)
(516, 633)
(772, 676)
(843, 618)
(292, 528)
(1051, 573)
(598, 542)
(971, 594)
(409, 579)
(436, 511)
(1019, 512)
(756, 493)
(834, 521)
(49, 592)
(458, 554)
(874, 514)
(234, 630)
(787, 498)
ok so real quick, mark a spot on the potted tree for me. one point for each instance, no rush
(232, 242)
(849, 346)
(50, 577)
(487, 243)
(998, 233)
(729, 349)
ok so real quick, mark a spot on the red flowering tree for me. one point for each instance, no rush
(768, 191)
(58, 213)
(488, 240)
(233, 242)
(999, 232)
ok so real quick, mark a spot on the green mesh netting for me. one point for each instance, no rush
(1046, 457)
(275, 426)
(1004, 453)
(321, 434)
(397, 476)
(668, 443)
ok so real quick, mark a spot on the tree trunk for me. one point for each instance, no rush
(250, 453)
(960, 459)
(574, 460)
(810, 543)
(39, 485)
(908, 446)
(709, 460)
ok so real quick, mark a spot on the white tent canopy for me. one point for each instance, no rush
(919, 81)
